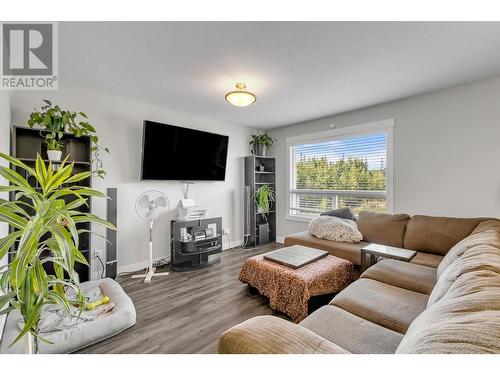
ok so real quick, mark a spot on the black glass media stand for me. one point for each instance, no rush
(195, 243)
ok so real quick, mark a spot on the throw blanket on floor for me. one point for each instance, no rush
(335, 229)
(53, 318)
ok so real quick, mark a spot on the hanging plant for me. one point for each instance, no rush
(263, 197)
(56, 121)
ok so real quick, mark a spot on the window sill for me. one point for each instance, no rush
(303, 219)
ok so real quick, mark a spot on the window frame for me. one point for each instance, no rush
(386, 125)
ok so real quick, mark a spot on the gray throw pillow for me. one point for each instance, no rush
(343, 213)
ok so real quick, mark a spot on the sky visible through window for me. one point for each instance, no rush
(371, 148)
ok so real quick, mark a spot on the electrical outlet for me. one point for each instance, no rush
(98, 252)
(226, 231)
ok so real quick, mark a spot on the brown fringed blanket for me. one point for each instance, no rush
(289, 289)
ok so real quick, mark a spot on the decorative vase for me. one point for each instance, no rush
(54, 155)
(259, 149)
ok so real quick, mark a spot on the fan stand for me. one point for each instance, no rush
(151, 270)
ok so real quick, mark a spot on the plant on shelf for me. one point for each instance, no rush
(54, 148)
(44, 224)
(263, 197)
(56, 121)
(261, 143)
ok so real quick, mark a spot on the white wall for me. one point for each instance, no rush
(118, 122)
(446, 151)
(4, 146)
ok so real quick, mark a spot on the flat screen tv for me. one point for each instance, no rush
(175, 153)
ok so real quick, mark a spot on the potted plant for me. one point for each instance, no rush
(54, 148)
(261, 143)
(55, 121)
(263, 197)
(44, 226)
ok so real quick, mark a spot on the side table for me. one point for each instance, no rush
(370, 253)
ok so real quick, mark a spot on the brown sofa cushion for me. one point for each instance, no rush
(465, 321)
(344, 250)
(426, 259)
(381, 228)
(271, 335)
(403, 275)
(477, 258)
(386, 305)
(436, 235)
(486, 233)
(355, 334)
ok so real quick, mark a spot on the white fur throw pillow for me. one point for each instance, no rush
(335, 229)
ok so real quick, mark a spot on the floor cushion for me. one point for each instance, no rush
(85, 334)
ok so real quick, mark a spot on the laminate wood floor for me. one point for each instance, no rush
(186, 312)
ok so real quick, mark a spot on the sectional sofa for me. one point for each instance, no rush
(446, 300)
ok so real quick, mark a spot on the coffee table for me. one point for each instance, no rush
(370, 254)
(289, 289)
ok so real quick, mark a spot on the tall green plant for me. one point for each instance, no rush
(44, 221)
(264, 196)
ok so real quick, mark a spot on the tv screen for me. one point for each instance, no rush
(174, 153)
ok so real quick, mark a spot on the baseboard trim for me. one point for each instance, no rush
(232, 245)
(280, 239)
(134, 267)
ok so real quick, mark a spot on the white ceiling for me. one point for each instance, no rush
(298, 70)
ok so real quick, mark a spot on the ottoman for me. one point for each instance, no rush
(288, 289)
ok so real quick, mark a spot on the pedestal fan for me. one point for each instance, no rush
(149, 205)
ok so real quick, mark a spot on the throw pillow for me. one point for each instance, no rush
(343, 213)
(335, 229)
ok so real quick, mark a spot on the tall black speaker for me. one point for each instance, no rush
(111, 213)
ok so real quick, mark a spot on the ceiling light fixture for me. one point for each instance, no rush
(240, 97)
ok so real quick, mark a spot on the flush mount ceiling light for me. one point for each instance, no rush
(240, 97)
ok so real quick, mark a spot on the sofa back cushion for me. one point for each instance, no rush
(436, 235)
(466, 320)
(486, 233)
(481, 257)
(381, 228)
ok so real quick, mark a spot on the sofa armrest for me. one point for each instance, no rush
(272, 335)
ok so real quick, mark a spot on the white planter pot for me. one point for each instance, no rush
(54, 155)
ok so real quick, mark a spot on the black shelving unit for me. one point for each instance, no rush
(188, 254)
(25, 144)
(259, 170)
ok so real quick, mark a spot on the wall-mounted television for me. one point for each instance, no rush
(175, 153)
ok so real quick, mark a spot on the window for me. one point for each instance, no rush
(347, 167)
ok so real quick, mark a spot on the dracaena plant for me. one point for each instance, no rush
(44, 226)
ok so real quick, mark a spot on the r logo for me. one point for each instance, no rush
(27, 49)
